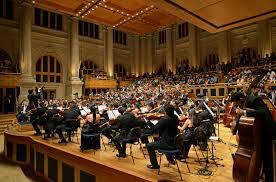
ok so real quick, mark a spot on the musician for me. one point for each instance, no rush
(167, 128)
(33, 99)
(256, 107)
(39, 118)
(125, 123)
(69, 116)
(22, 111)
(53, 120)
(225, 100)
(189, 136)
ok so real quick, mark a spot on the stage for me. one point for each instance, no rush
(65, 162)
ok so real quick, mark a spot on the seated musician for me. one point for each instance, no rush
(22, 111)
(125, 122)
(53, 120)
(167, 128)
(189, 136)
(256, 107)
(39, 118)
(72, 114)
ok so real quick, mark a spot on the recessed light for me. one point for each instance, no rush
(96, 6)
(146, 9)
(92, 1)
(33, 2)
(100, 3)
(103, 0)
(113, 26)
(82, 9)
(111, 8)
(105, 6)
(93, 9)
(88, 4)
(82, 16)
(151, 6)
(117, 10)
(141, 11)
(85, 6)
(88, 11)
(85, 14)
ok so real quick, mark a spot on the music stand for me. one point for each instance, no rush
(218, 111)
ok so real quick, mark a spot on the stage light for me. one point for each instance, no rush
(105, 6)
(141, 11)
(88, 11)
(88, 4)
(85, 7)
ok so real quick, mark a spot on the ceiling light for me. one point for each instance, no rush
(132, 16)
(93, 9)
(33, 2)
(88, 11)
(96, 6)
(146, 9)
(92, 1)
(141, 11)
(151, 6)
(103, 0)
(111, 8)
(105, 6)
(88, 4)
(137, 14)
(82, 9)
(100, 3)
(85, 14)
(85, 6)
(117, 10)
(122, 12)
(113, 26)
(82, 16)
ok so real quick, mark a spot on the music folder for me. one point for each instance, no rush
(112, 114)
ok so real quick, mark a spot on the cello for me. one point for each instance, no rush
(248, 157)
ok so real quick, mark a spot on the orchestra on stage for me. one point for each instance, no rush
(159, 113)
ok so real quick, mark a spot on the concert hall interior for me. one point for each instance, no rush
(138, 90)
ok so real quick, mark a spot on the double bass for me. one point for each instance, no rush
(248, 157)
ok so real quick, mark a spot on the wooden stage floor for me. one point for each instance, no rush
(108, 157)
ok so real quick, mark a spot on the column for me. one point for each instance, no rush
(74, 86)
(194, 46)
(131, 44)
(110, 62)
(174, 49)
(136, 54)
(224, 47)
(26, 12)
(169, 56)
(264, 38)
(104, 36)
(149, 54)
(143, 55)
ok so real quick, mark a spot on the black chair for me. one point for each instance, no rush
(175, 153)
(72, 128)
(133, 139)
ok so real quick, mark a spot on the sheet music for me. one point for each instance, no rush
(83, 113)
(87, 110)
(176, 114)
(110, 115)
(144, 109)
(101, 108)
(181, 110)
(116, 113)
(154, 121)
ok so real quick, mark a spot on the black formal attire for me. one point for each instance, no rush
(69, 117)
(33, 101)
(167, 128)
(21, 116)
(125, 123)
(53, 120)
(189, 139)
(268, 132)
(39, 118)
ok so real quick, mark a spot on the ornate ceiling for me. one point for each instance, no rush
(136, 16)
(143, 16)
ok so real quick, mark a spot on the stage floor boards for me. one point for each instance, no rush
(108, 158)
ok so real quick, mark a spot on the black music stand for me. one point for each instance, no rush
(218, 111)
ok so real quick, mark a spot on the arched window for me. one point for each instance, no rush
(119, 70)
(48, 69)
(89, 67)
(6, 64)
